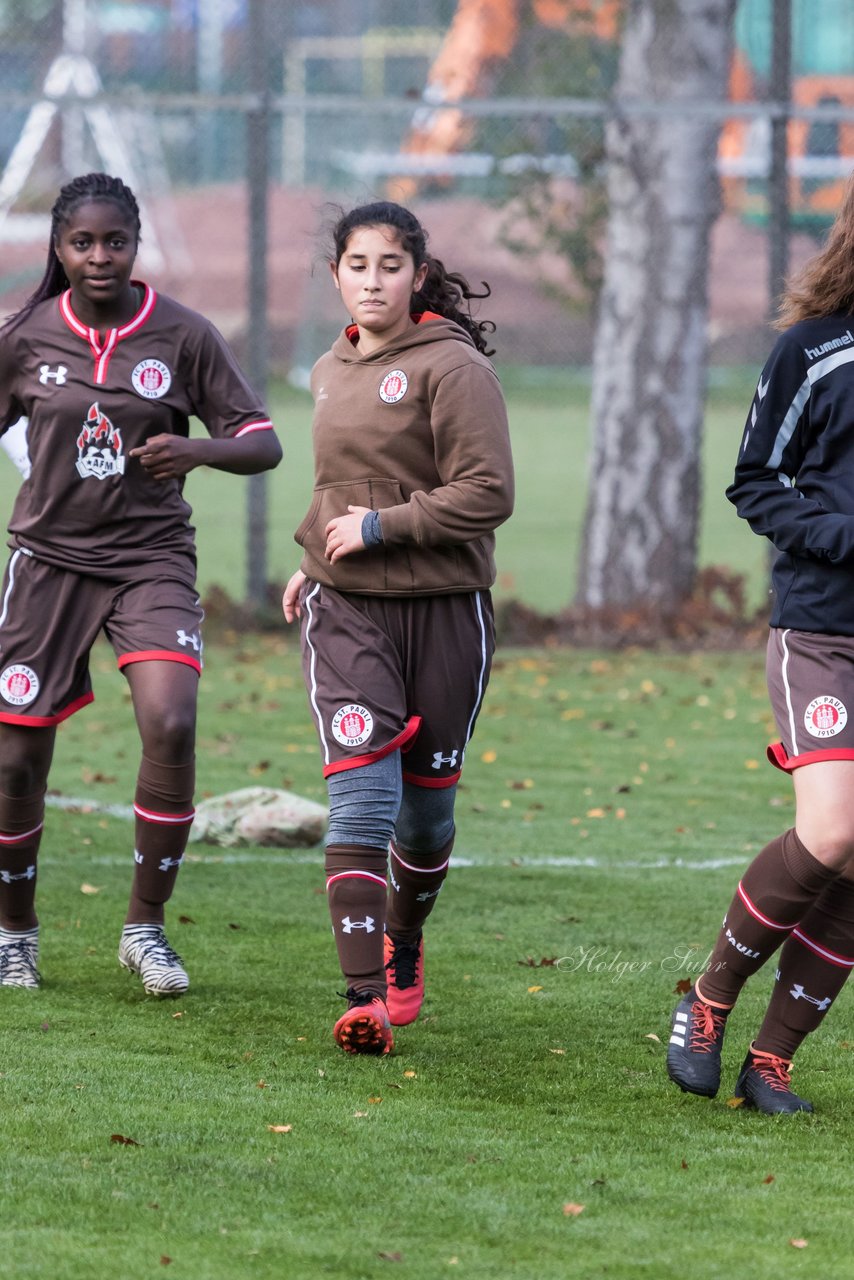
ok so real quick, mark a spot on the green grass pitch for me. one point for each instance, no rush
(524, 1128)
(607, 806)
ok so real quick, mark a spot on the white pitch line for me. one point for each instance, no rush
(76, 804)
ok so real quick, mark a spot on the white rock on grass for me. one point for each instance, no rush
(260, 816)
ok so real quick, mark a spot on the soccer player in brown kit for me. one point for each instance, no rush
(794, 483)
(108, 373)
(413, 473)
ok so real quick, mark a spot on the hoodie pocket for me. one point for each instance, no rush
(331, 500)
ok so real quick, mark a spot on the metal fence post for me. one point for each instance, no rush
(258, 180)
(778, 181)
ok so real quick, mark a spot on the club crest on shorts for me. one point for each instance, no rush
(394, 386)
(99, 447)
(352, 725)
(151, 379)
(18, 685)
(825, 717)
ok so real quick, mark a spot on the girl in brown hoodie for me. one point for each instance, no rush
(413, 473)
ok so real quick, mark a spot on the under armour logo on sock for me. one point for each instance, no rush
(7, 876)
(349, 925)
(166, 863)
(425, 897)
(797, 993)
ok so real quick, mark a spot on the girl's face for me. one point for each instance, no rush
(376, 278)
(97, 247)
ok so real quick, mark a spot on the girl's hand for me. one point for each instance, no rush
(344, 534)
(167, 457)
(290, 600)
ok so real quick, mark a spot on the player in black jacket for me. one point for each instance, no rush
(794, 484)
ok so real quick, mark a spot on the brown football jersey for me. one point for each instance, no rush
(87, 505)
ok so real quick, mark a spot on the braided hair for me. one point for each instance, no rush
(82, 190)
(447, 293)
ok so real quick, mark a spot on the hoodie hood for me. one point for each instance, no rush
(428, 328)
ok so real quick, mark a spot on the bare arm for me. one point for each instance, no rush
(167, 457)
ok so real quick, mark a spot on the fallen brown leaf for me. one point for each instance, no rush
(280, 1128)
(390, 1257)
(572, 1210)
(123, 1141)
(799, 1244)
(770, 1178)
(88, 776)
(89, 888)
(683, 986)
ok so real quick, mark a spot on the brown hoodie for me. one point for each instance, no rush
(417, 431)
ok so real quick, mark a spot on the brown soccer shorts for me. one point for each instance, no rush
(386, 673)
(50, 618)
(811, 684)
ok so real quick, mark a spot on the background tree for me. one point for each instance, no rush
(639, 545)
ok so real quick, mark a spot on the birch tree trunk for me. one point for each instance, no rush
(639, 545)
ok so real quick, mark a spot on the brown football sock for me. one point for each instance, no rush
(356, 892)
(414, 883)
(815, 963)
(163, 806)
(775, 891)
(21, 823)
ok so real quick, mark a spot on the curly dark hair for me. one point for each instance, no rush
(447, 293)
(89, 186)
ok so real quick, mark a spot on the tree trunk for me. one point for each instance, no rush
(639, 544)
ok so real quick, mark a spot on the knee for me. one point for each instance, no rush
(25, 758)
(833, 846)
(169, 735)
(21, 777)
(426, 819)
(363, 803)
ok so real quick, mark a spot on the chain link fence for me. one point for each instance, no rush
(201, 103)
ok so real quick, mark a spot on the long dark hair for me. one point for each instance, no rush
(447, 293)
(826, 283)
(90, 186)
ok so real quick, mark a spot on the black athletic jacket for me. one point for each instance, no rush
(794, 481)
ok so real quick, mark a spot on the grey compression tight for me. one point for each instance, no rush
(370, 804)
